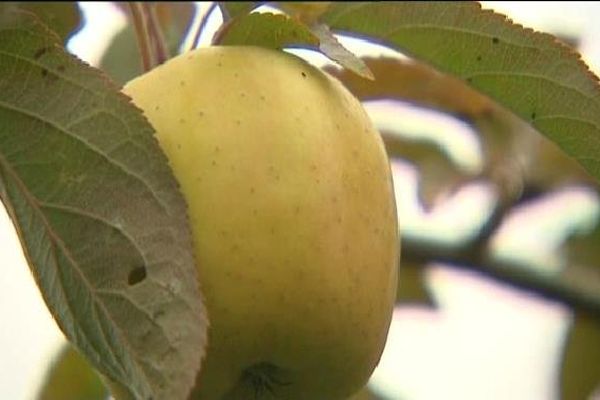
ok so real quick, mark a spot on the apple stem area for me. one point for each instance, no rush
(259, 381)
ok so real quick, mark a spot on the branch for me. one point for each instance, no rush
(141, 33)
(519, 276)
(161, 51)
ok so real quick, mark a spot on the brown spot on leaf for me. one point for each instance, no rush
(40, 52)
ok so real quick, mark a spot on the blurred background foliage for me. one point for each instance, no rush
(515, 164)
(70, 377)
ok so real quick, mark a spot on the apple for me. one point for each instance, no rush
(292, 211)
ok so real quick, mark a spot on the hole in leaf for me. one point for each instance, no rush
(136, 275)
(495, 40)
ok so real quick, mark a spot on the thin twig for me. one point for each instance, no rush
(224, 11)
(141, 33)
(518, 276)
(161, 50)
(202, 25)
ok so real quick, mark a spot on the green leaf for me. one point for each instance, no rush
(329, 45)
(121, 61)
(64, 18)
(532, 74)
(99, 215)
(71, 377)
(580, 372)
(274, 31)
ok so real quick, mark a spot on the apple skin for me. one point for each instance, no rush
(292, 211)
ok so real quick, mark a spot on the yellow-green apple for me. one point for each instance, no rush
(293, 217)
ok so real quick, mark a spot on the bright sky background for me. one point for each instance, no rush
(510, 342)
